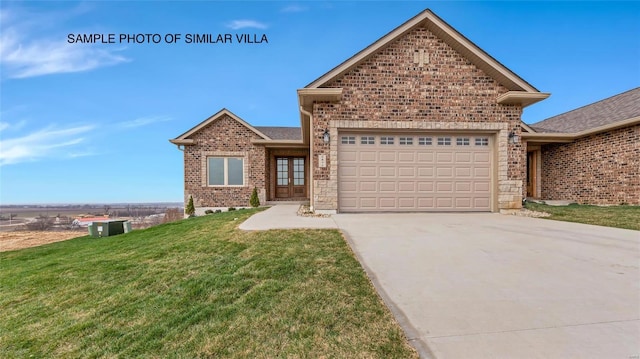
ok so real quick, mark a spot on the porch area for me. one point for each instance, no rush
(287, 175)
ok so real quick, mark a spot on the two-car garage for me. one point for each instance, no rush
(414, 172)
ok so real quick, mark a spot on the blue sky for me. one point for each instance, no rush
(90, 123)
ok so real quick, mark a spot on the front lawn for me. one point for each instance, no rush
(194, 288)
(627, 217)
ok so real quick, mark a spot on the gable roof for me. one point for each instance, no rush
(454, 39)
(184, 139)
(617, 108)
(281, 133)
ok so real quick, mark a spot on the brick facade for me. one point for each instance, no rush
(224, 137)
(599, 169)
(390, 91)
(413, 80)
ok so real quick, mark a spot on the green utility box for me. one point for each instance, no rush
(92, 230)
(127, 227)
(108, 228)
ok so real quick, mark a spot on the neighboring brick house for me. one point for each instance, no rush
(588, 155)
(420, 120)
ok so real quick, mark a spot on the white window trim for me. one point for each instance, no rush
(387, 140)
(367, 140)
(348, 140)
(204, 169)
(405, 141)
(425, 141)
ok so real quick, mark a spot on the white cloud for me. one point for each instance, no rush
(6, 126)
(82, 154)
(294, 8)
(23, 53)
(46, 143)
(243, 24)
(143, 121)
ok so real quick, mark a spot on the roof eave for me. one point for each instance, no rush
(545, 138)
(214, 117)
(522, 98)
(569, 137)
(306, 98)
(526, 127)
(280, 143)
(182, 142)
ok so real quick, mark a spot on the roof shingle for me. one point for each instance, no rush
(613, 109)
(281, 133)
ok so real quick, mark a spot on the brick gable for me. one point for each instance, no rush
(223, 137)
(390, 90)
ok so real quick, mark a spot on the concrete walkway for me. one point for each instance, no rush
(285, 216)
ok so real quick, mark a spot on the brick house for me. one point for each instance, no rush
(588, 155)
(420, 120)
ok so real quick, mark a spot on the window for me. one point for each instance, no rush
(226, 171)
(462, 141)
(424, 141)
(282, 171)
(298, 171)
(386, 140)
(406, 140)
(483, 141)
(367, 140)
(444, 141)
(348, 140)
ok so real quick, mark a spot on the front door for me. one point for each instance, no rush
(531, 174)
(290, 178)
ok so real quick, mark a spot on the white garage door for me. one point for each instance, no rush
(414, 172)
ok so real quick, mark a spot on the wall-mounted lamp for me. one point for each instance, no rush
(513, 138)
(325, 136)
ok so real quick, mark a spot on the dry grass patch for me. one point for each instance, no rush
(11, 241)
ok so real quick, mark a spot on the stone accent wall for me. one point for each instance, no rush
(224, 137)
(600, 169)
(390, 91)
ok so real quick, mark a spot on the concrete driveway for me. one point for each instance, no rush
(497, 286)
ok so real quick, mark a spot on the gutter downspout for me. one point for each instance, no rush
(307, 113)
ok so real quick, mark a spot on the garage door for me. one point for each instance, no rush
(414, 172)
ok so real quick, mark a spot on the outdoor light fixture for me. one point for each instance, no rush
(325, 136)
(513, 138)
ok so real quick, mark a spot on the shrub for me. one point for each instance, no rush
(208, 211)
(218, 211)
(232, 209)
(41, 223)
(190, 210)
(254, 201)
(172, 215)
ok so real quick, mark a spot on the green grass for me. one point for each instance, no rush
(194, 288)
(622, 216)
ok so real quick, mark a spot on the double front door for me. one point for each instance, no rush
(290, 177)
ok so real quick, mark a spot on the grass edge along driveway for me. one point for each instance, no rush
(195, 288)
(622, 216)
